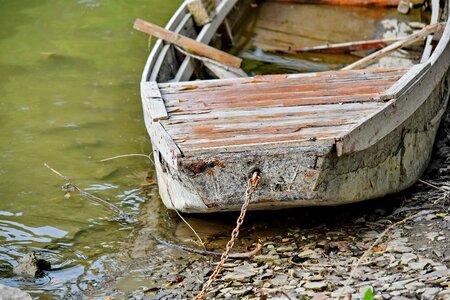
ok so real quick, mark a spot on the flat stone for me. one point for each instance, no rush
(241, 273)
(420, 265)
(315, 285)
(407, 257)
(288, 248)
(430, 293)
(280, 280)
(266, 258)
(432, 235)
(306, 253)
(9, 293)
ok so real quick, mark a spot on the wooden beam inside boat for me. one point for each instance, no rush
(187, 43)
(350, 2)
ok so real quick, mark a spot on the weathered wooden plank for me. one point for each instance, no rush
(350, 2)
(203, 11)
(286, 100)
(287, 135)
(187, 66)
(282, 91)
(268, 111)
(151, 96)
(263, 80)
(187, 43)
(401, 85)
(164, 143)
(342, 48)
(409, 40)
(435, 10)
(219, 70)
(210, 128)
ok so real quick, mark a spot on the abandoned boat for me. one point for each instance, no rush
(326, 137)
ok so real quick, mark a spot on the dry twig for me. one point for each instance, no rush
(121, 214)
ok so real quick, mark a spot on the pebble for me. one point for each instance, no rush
(266, 258)
(306, 253)
(407, 257)
(430, 293)
(316, 285)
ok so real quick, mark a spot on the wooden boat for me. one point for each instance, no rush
(321, 138)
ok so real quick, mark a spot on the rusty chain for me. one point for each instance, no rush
(251, 186)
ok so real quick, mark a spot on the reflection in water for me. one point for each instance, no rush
(69, 96)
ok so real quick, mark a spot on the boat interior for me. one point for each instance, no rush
(290, 94)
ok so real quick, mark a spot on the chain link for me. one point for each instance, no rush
(251, 186)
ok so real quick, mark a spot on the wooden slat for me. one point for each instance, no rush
(435, 9)
(349, 2)
(263, 80)
(166, 146)
(187, 66)
(187, 43)
(267, 111)
(312, 134)
(152, 97)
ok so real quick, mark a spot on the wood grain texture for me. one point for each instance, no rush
(151, 95)
(187, 43)
(268, 109)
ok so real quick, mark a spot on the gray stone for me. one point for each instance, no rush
(266, 258)
(430, 293)
(241, 273)
(31, 267)
(316, 285)
(279, 280)
(407, 257)
(288, 248)
(9, 293)
(307, 253)
(420, 265)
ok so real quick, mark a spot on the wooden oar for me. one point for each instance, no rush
(188, 44)
(410, 39)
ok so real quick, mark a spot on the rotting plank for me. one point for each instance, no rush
(152, 97)
(311, 134)
(164, 143)
(267, 111)
(261, 80)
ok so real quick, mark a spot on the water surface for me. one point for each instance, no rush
(69, 97)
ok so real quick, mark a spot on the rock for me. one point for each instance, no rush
(432, 235)
(420, 265)
(266, 258)
(407, 257)
(31, 267)
(307, 253)
(288, 248)
(279, 280)
(241, 273)
(430, 293)
(316, 285)
(9, 293)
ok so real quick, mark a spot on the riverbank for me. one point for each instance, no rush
(399, 244)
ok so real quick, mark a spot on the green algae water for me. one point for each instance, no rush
(69, 97)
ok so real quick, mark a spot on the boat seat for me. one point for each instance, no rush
(224, 113)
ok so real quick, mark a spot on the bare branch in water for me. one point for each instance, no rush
(121, 214)
(129, 155)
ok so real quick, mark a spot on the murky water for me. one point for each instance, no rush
(69, 97)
